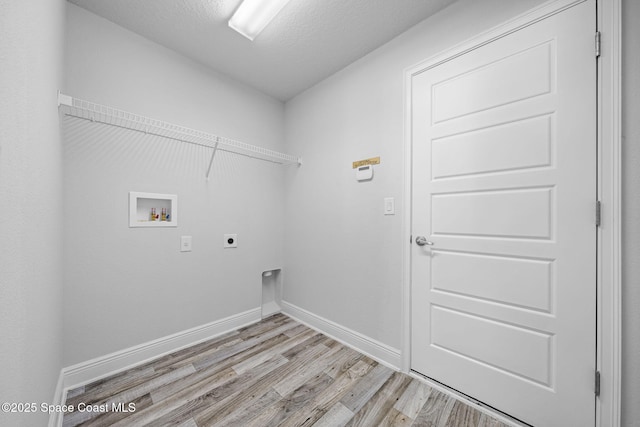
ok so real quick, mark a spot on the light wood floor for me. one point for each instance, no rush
(274, 373)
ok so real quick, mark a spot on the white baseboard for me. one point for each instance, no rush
(104, 366)
(382, 353)
(55, 419)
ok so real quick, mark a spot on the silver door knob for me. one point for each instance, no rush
(422, 241)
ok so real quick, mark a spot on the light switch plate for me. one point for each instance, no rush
(389, 206)
(185, 243)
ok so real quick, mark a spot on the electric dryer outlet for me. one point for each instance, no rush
(230, 241)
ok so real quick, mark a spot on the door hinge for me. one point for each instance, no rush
(598, 37)
(597, 384)
(598, 213)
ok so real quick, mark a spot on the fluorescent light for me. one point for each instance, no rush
(253, 15)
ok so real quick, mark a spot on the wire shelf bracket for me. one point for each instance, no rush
(91, 111)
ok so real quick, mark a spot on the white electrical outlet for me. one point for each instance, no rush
(185, 243)
(230, 241)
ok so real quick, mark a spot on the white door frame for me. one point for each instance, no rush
(608, 328)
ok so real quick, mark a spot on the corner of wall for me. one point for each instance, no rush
(32, 44)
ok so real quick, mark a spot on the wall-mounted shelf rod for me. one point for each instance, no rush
(111, 116)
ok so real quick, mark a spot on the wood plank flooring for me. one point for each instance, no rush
(273, 373)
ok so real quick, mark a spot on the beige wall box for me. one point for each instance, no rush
(153, 210)
(365, 162)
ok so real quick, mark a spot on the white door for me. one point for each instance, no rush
(503, 284)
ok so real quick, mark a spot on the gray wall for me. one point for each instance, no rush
(352, 273)
(126, 286)
(31, 51)
(630, 213)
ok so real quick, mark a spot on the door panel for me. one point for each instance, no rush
(520, 75)
(490, 277)
(518, 145)
(524, 213)
(515, 350)
(504, 185)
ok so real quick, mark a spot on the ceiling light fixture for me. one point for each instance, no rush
(253, 15)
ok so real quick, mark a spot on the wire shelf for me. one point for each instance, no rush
(112, 116)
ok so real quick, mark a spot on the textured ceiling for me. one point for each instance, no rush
(307, 42)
